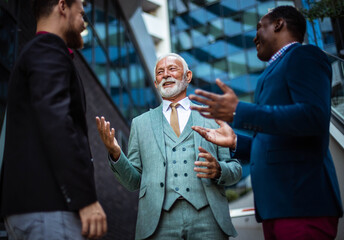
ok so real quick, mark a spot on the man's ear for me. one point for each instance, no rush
(189, 76)
(155, 84)
(62, 7)
(279, 24)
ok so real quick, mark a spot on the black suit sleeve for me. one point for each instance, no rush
(57, 106)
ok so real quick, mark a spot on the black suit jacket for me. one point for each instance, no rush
(47, 160)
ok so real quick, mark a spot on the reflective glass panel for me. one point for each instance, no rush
(221, 69)
(235, 44)
(246, 3)
(250, 19)
(213, 11)
(182, 22)
(199, 36)
(218, 49)
(283, 3)
(237, 64)
(253, 63)
(263, 8)
(180, 6)
(184, 40)
(248, 38)
(198, 17)
(215, 29)
(230, 6)
(232, 25)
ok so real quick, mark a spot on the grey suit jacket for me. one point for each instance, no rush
(144, 169)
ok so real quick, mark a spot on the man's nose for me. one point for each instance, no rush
(166, 73)
(255, 39)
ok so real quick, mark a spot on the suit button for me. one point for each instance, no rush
(173, 149)
(174, 161)
(176, 175)
(184, 149)
(164, 164)
(188, 189)
(161, 184)
(185, 161)
(185, 174)
(68, 200)
(177, 188)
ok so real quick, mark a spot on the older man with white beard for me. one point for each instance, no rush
(181, 178)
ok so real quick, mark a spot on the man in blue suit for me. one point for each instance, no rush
(181, 178)
(295, 187)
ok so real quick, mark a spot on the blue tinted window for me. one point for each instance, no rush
(198, 17)
(235, 44)
(199, 36)
(249, 36)
(184, 41)
(215, 29)
(253, 63)
(182, 22)
(237, 65)
(250, 19)
(218, 49)
(232, 25)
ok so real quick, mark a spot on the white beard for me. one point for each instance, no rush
(172, 91)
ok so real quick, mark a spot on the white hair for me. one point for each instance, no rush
(185, 65)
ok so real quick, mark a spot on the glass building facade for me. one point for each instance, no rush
(110, 52)
(216, 39)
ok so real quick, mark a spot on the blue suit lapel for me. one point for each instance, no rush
(261, 80)
(156, 118)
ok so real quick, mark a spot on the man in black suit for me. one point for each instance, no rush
(48, 189)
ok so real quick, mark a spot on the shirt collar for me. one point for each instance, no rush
(70, 50)
(280, 52)
(185, 103)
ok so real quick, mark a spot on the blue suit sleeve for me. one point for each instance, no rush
(308, 85)
(243, 149)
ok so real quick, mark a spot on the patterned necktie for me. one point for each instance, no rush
(174, 118)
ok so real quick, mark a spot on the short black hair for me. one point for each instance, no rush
(296, 22)
(42, 8)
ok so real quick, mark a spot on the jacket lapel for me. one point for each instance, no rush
(156, 118)
(261, 79)
(198, 120)
(260, 84)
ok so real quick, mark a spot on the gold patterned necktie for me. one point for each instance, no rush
(174, 118)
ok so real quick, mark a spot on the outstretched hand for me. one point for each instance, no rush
(218, 106)
(223, 136)
(212, 167)
(108, 137)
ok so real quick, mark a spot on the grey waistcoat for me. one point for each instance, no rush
(181, 179)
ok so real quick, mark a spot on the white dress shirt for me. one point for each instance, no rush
(183, 110)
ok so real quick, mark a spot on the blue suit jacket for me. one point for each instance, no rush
(291, 167)
(145, 169)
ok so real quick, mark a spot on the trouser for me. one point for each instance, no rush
(44, 225)
(183, 221)
(311, 228)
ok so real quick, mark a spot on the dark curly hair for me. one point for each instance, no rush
(42, 8)
(296, 22)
